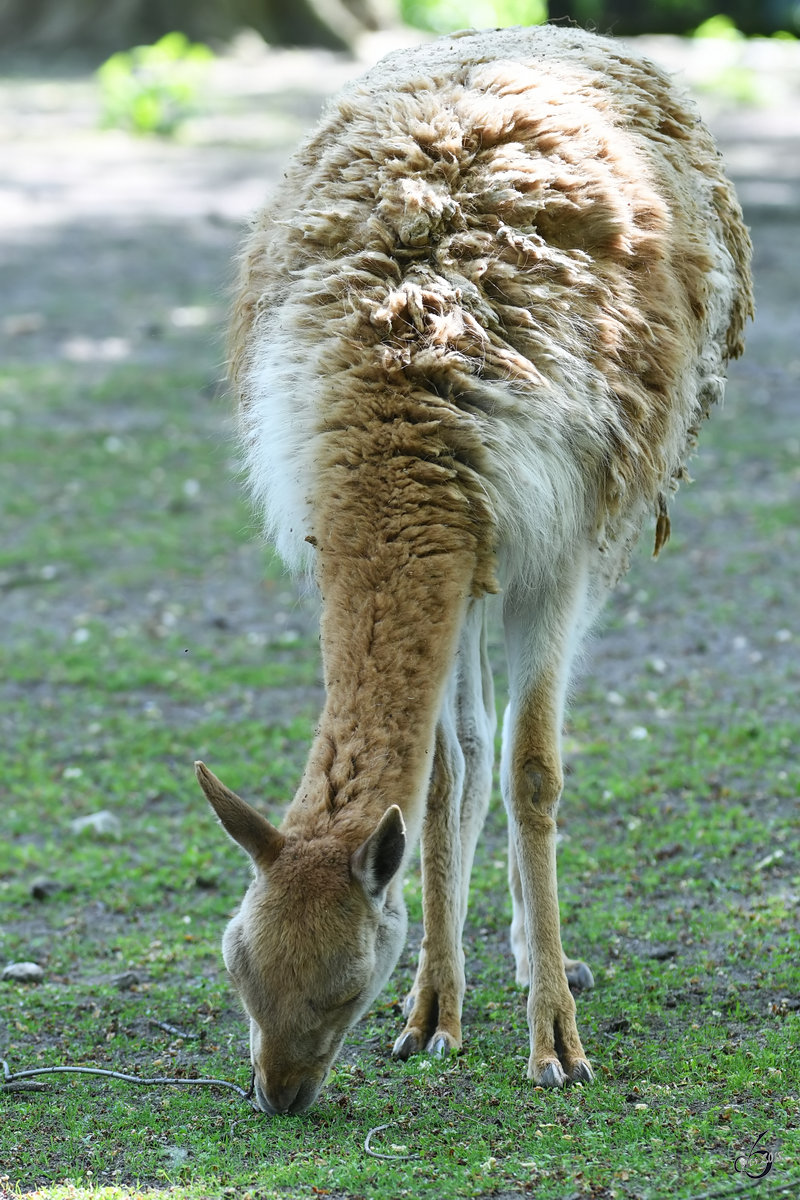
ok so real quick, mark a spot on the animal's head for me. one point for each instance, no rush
(313, 943)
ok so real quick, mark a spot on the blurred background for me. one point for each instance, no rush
(102, 26)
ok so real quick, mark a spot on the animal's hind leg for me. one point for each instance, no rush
(457, 801)
(476, 723)
(519, 939)
(539, 654)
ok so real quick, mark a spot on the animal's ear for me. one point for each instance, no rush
(377, 860)
(262, 841)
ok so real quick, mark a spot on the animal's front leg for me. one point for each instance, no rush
(433, 1007)
(579, 975)
(532, 787)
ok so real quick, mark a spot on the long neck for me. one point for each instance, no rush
(395, 577)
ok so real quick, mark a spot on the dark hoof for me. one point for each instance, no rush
(581, 1072)
(440, 1045)
(407, 1044)
(580, 977)
(551, 1075)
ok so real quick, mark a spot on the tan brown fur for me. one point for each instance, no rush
(474, 337)
(598, 210)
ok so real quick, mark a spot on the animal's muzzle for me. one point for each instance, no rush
(293, 1097)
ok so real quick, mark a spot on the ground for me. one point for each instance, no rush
(144, 624)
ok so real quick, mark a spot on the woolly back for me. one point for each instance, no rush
(504, 240)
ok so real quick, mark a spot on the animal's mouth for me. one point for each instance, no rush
(287, 1100)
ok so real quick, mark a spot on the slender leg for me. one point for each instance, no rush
(519, 938)
(433, 1006)
(532, 781)
(476, 723)
(458, 797)
(579, 976)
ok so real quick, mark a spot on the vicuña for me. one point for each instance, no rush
(475, 334)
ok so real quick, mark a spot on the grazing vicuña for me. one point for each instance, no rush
(475, 335)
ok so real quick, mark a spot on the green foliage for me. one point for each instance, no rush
(721, 26)
(734, 83)
(443, 16)
(152, 89)
(734, 80)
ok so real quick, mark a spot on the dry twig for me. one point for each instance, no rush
(173, 1029)
(790, 1188)
(375, 1153)
(11, 1079)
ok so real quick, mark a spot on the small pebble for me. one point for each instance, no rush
(126, 981)
(22, 324)
(23, 972)
(102, 824)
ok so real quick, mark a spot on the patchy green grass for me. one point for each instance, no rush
(152, 641)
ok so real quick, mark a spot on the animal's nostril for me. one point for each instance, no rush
(281, 1099)
(261, 1099)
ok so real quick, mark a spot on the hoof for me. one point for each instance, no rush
(580, 977)
(441, 1045)
(581, 1072)
(549, 1075)
(407, 1044)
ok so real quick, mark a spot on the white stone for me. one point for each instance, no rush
(23, 972)
(101, 824)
